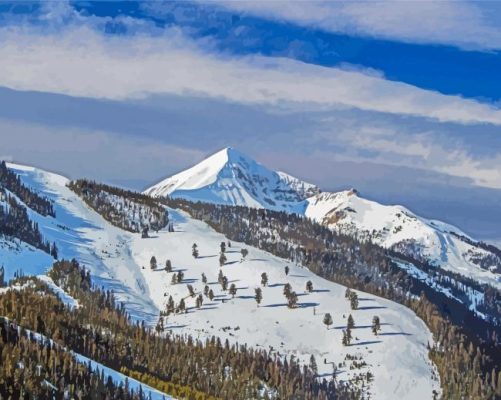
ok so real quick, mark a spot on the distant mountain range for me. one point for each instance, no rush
(232, 178)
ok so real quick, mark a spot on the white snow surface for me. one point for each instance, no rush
(394, 226)
(119, 260)
(232, 178)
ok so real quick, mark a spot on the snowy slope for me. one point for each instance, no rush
(80, 233)
(119, 260)
(397, 227)
(398, 357)
(230, 177)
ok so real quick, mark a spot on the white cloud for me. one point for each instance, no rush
(95, 154)
(460, 23)
(81, 62)
(391, 144)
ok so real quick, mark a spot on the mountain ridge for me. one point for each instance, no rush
(391, 226)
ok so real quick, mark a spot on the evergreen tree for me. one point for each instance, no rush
(292, 300)
(170, 305)
(259, 296)
(233, 290)
(194, 250)
(224, 283)
(313, 364)
(54, 251)
(199, 301)
(376, 325)
(244, 253)
(168, 266)
(351, 322)
(153, 262)
(223, 247)
(353, 300)
(287, 290)
(309, 286)
(211, 295)
(2, 276)
(222, 259)
(264, 279)
(180, 276)
(328, 320)
(204, 279)
(346, 337)
(182, 306)
(191, 291)
(286, 270)
(206, 290)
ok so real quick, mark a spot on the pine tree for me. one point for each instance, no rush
(351, 322)
(223, 247)
(204, 279)
(170, 305)
(199, 301)
(206, 290)
(328, 320)
(222, 259)
(194, 251)
(309, 286)
(244, 253)
(233, 290)
(287, 290)
(258, 296)
(182, 306)
(346, 337)
(153, 262)
(180, 276)
(168, 266)
(286, 269)
(264, 279)
(376, 325)
(224, 283)
(211, 295)
(191, 291)
(353, 300)
(313, 364)
(292, 300)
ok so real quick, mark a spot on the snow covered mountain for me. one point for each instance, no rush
(232, 178)
(395, 227)
(119, 260)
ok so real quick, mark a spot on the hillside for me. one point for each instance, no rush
(398, 228)
(120, 260)
(232, 178)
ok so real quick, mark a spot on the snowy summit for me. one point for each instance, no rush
(230, 177)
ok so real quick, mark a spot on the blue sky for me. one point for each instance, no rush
(398, 99)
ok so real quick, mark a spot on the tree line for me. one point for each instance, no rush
(128, 210)
(101, 330)
(467, 348)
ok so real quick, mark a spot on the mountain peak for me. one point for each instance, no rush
(231, 177)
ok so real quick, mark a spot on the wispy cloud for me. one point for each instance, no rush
(82, 62)
(465, 24)
(98, 154)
